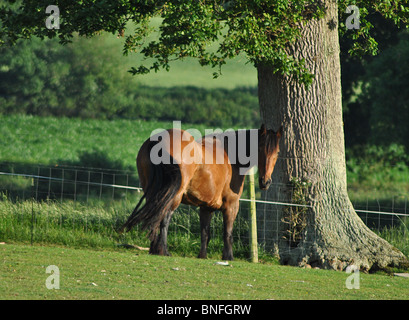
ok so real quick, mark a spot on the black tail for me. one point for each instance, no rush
(163, 185)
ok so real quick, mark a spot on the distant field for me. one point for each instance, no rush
(236, 73)
(47, 140)
(188, 72)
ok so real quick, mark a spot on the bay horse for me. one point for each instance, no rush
(174, 168)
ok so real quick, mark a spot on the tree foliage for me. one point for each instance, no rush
(385, 96)
(210, 31)
(263, 30)
(356, 112)
(42, 77)
(87, 79)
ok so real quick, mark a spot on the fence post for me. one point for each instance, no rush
(32, 211)
(253, 219)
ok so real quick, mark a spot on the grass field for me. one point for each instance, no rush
(129, 274)
(48, 140)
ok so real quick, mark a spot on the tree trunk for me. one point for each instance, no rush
(329, 234)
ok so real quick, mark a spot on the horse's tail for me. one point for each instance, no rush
(164, 184)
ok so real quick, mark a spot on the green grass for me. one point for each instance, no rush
(48, 140)
(120, 274)
(397, 235)
(95, 225)
(68, 223)
(189, 72)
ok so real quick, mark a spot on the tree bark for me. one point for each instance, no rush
(312, 149)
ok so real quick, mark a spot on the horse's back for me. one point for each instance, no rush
(169, 147)
(204, 165)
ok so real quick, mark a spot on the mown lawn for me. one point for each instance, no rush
(131, 274)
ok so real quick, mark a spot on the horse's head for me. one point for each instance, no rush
(267, 154)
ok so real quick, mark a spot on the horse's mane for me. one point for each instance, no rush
(270, 141)
(225, 139)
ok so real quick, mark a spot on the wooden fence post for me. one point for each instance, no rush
(253, 219)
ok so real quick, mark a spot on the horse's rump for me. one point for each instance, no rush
(164, 181)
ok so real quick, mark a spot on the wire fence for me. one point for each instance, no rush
(119, 191)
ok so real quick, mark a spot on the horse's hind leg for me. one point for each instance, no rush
(159, 245)
(205, 218)
(229, 215)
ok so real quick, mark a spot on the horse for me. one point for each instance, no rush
(175, 168)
